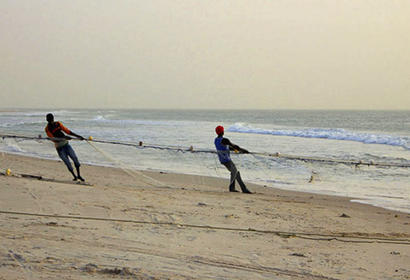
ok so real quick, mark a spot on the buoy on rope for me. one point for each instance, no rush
(90, 138)
(8, 172)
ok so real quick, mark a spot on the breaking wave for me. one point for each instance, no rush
(328, 133)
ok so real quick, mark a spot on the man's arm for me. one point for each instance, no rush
(69, 132)
(76, 135)
(233, 147)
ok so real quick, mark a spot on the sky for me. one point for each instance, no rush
(210, 54)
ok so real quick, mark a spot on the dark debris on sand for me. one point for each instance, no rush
(128, 273)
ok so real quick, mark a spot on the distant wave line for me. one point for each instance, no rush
(328, 133)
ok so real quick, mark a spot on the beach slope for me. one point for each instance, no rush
(154, 225)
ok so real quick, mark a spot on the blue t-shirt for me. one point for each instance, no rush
(223, 150)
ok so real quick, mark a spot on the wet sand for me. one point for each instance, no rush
(154, 225)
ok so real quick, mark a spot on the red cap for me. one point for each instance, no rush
(219, 129)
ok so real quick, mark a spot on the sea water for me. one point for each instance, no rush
(378, 136)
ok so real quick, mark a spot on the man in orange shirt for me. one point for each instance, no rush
(55, 130)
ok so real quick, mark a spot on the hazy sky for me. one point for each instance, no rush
(287, 54)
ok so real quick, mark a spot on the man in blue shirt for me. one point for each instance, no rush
(223, 147)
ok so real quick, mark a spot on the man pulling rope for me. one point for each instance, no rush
(64, 150)
(223, 146)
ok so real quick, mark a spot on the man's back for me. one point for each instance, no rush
(223, 149)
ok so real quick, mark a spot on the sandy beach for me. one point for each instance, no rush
(155, 225)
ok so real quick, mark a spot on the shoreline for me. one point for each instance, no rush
(187, 227)
(351, 199)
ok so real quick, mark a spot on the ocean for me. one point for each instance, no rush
(378, 136)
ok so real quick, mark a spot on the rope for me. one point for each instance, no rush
(190, 149)
(131, 172)
(285, 234)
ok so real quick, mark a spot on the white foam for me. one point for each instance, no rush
(99, 118)
(328, 133)
(13, 123)
(12, 148)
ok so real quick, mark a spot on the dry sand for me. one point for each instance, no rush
(186, 227)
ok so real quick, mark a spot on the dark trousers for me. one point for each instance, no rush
(66, 151)
(235, 175)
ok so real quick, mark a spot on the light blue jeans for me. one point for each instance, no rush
(66, 151)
